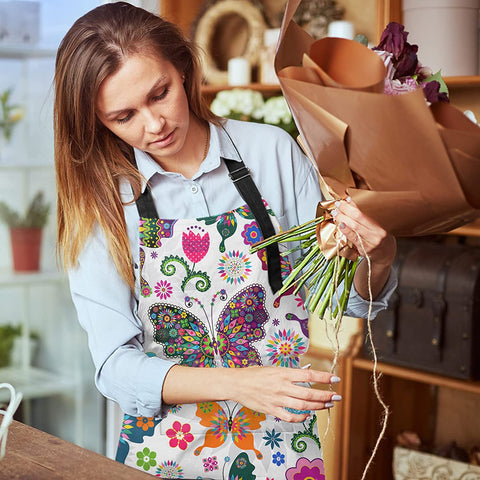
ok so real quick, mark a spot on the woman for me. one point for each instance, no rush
(156, 237)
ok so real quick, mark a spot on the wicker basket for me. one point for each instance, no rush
(414, 465)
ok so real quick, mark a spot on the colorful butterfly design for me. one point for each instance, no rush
(229, 342)
(223, 424)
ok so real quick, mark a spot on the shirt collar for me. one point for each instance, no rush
(221, 145)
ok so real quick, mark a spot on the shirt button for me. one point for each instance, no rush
(194, 189)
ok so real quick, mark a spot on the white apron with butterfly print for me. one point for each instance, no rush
(206, 302)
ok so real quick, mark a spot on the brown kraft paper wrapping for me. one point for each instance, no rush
(412, 167)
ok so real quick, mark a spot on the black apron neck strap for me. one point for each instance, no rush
(247, 189)
(146, 205)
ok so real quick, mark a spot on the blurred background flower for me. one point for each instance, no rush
(249, 105)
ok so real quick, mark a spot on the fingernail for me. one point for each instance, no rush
(329, 405)
(341, 225)
(336, 398)
(337, 203)
(348, 199)
(335, 379)
(334, 213)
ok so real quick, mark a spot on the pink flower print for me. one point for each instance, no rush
(163, 289)
(210, 464)
(179, 435)
(195, 245)
(305, 468)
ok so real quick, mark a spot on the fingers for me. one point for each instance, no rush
(297, 409)
(368, 237)
(300, 401)
(284, 392)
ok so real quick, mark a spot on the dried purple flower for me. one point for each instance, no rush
(432, 93)
(406, 64)
(393, 39)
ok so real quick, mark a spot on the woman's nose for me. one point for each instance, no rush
(154, 122)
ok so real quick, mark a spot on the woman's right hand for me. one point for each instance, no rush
(270, 389)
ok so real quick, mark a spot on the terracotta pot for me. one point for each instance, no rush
(26, 245)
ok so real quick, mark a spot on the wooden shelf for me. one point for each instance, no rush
(463, 81)
(418, 376)
(210, 91)
(469, 230)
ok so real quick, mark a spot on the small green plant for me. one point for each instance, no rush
(36, 215)
(8, 333)
(9, 114)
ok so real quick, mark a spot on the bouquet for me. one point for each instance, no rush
(378, 127)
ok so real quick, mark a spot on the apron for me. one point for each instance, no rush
(207, 302)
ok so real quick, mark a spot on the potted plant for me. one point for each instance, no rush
(11, 347)
(26, 232)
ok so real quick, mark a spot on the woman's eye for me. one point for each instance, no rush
(125, 119)
(162, 95)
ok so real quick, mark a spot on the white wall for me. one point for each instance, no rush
(63, 344)
(26, 166)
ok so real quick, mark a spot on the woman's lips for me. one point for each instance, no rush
(164, 141)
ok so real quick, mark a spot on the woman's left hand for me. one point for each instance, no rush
(372, 242)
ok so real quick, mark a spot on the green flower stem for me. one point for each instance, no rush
(303, 246)
(333, 282)
(286, 236)
(350, 273)
(316, 265)
(317, 294)
(286, 284)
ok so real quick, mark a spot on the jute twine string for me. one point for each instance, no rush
(375, 376)
(335, 343)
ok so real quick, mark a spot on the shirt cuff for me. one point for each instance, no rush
(360, 307)
(140, 395)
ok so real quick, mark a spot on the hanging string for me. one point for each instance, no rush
(386, 411)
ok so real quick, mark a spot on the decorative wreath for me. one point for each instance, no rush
(210, 25)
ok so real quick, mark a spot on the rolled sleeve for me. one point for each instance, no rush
(361, 308)
(106, 310)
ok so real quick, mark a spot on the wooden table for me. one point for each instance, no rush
(35, 455)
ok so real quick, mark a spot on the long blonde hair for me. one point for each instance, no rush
(89, 159)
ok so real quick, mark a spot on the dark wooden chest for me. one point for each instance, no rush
(433, 319)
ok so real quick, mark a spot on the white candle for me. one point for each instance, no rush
(341, 29)
(238, 71)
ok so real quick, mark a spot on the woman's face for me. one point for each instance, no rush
(145, 104)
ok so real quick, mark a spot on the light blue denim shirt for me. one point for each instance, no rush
(107, 309)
